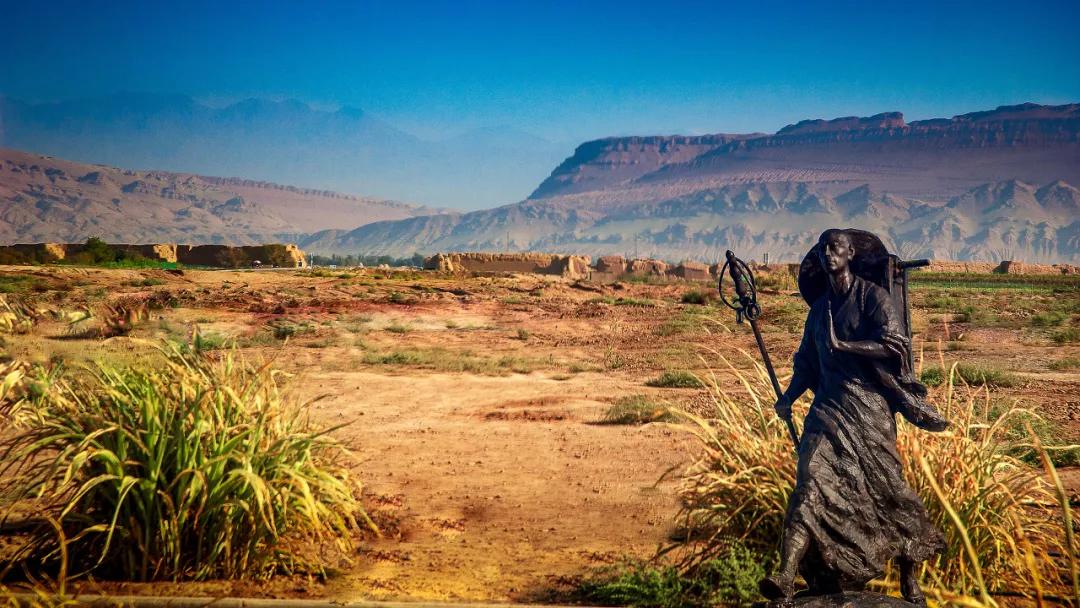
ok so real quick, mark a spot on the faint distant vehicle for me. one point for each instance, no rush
(256, 263)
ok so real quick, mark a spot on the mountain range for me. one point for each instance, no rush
(46, 199)
(987, 185)
(287, 141)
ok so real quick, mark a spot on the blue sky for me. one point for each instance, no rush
(566, 71)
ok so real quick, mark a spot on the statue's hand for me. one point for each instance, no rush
(834, 343)
(783, 407)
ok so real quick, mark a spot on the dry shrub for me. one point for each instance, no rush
(1008, 529)
(16, 317)
(193, 469)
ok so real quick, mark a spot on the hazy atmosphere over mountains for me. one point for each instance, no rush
(988, 185)
(286, 142)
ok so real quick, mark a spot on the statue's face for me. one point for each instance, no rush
(837, 253)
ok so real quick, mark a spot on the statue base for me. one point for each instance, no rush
(848, 599)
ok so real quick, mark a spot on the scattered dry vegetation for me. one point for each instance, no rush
(475, 398)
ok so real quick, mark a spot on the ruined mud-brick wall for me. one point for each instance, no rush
(954, 267)
(572, 266)
(285, 256)
(1011, 267)
(166, 252)
(692, 271)
(282, 256)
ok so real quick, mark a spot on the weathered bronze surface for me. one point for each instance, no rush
(852, 510)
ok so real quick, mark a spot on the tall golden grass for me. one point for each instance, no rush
(195, 468)
(1007, 524)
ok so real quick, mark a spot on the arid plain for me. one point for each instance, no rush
(484, 411)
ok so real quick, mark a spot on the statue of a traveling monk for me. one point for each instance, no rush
(852, 510)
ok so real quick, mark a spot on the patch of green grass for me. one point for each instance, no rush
(682, 324)
(676, 379)
(1068, 335)
(972, 374)
(1059, 446)
(522, 334)
(398, 328)
(202, 342)
(1066, 364)
(702, 298)
(441, 359)
(932, 376)
(19, 283)
(284, 328)
(396, 297)
(991, 282)
(1051, 318)
(624, 301)
(729, 580)
(637, 409)
(646, 279)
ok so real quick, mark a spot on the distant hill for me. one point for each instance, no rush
(991, 222)
(984, 186)
(288, 142)
(928, 159)
(45, 199)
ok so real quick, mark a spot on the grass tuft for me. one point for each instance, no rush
(676, 379)
(637, 409)
(196, 469)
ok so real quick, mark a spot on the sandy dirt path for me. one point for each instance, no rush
(500, 485)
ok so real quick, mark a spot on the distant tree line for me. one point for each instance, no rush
(417, 259)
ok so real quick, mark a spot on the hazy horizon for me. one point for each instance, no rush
(560, 72)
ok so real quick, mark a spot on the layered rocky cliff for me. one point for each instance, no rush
(933, 159)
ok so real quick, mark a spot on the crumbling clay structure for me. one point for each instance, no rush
(570, 266)
(692, 271)
(284, 256)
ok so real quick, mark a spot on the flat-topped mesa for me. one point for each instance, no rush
(1017, 140)
(611, 160)
(885, 120)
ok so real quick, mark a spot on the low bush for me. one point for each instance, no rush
(1068, 335)
(637, 409)
(196, 469)
(971, 374)
(728, 580)
(676, 379)
(703, 298)
(1066, 364)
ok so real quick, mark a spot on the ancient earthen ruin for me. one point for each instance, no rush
(222, 256)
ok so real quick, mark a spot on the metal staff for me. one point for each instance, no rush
(747, 308)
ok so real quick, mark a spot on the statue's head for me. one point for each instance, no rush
(835, 250)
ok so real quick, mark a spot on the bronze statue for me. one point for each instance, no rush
(852, 510)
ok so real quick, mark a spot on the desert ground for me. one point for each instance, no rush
(477, 405)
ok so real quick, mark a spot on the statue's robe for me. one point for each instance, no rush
(850, 493)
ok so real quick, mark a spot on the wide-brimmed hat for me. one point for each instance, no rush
(869, 263)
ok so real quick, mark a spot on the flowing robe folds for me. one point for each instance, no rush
(850, 495)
